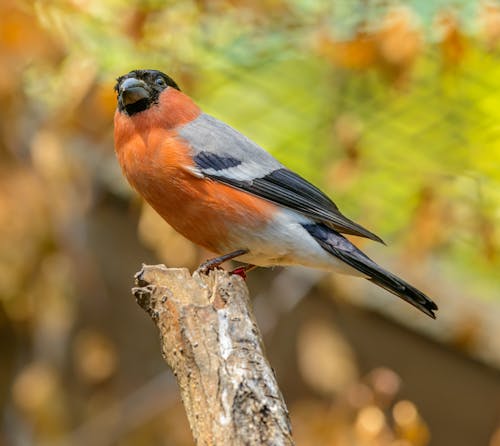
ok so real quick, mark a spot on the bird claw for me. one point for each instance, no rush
(216, 262)
(241, 271)
(207, 266)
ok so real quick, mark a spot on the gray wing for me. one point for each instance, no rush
(223, 154)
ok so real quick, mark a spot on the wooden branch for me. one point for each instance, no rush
(212, 344)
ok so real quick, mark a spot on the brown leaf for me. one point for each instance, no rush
(452, 44)
(489, 23)
(399, 43)
(358, 53)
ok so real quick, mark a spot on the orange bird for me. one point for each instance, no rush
(222, 191)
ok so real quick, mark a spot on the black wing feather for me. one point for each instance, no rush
(288, 189)
(341, 248)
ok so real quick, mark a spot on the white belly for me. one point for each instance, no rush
(286, 242)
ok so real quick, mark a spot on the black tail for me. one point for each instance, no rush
(344, 250)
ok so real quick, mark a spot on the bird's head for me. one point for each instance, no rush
(140, 89)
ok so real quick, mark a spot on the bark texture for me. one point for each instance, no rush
(212, 344)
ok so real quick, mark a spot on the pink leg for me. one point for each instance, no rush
(243, 270)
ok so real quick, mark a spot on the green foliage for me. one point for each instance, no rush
(259, 67)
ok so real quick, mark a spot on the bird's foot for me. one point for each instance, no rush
(243, 270)
(216, 262)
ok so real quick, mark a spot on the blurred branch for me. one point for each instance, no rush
(212, 344)
(111, 425)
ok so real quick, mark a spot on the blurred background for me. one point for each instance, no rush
(391, 107)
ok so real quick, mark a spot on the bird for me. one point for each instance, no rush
(227, 194)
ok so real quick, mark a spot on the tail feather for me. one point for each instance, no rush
(344, 250)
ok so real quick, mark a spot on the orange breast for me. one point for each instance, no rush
(211, 214)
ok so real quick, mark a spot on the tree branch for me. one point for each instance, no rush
(212, 344)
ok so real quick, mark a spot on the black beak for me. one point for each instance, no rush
(132, 90)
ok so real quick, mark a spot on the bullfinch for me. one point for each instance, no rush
(222, 191)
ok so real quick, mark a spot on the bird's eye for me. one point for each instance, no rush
(160, 82)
